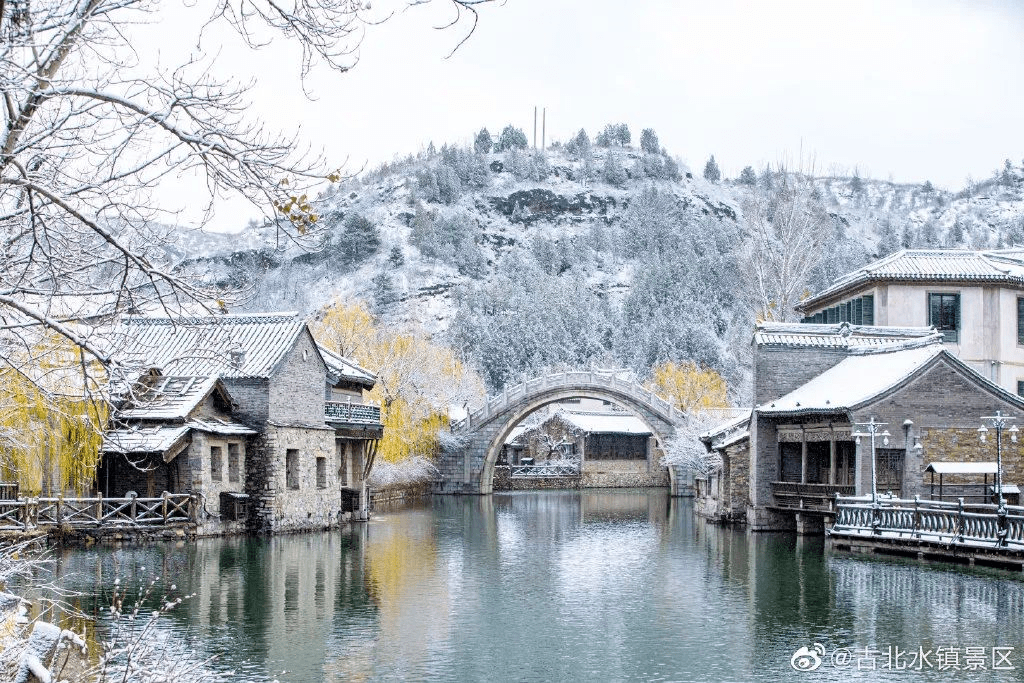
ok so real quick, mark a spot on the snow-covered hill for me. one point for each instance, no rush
(459, 243)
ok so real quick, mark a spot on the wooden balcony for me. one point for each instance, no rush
(798, 497)
(346, 414)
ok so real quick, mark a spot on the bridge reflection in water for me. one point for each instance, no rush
(561, 585)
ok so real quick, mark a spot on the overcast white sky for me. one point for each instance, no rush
(913, 90)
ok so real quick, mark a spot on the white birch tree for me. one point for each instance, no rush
(787, 236)
(93, 125)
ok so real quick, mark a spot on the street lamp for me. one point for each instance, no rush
(873, 429)
(998, 422)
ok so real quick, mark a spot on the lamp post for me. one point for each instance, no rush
(873, 429)
(998, 423)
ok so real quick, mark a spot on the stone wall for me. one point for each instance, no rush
(296, 393)
(623, 474)
(309, 506)
(251, 396)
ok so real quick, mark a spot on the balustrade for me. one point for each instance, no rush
(931, 520)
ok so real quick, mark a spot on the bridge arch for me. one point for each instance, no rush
(470, 468)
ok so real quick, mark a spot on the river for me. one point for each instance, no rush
(608, 585)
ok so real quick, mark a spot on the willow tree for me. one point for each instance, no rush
(50, 422)
(95, 121)
(418, 380)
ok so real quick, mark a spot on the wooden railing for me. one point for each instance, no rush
(31, 513)
(931, 520)
(792, 495)
(545, 470)
(356, 413)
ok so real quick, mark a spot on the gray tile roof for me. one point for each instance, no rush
(248, 345)
(167, 398)
(151, 439)
(340, 368)
(929, 265)
(862, 338)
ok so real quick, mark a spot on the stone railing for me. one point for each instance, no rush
(354, 413)
(545, 470)
(597, 379)
(32, 513)
(931, 520)
(798, 496)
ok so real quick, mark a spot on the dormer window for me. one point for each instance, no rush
(944, 315)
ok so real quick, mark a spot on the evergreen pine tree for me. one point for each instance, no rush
(711, 172)
(482, 144)
(396, 258)
(614, 173)
(512, 138)
(748, 177)
(649, 141)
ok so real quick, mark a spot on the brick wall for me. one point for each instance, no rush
(777, 371)
(251, 397)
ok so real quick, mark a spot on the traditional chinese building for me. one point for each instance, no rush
(249, 413)
(975, 299)
(815, 387)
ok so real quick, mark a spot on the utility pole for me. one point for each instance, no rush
(543, 129)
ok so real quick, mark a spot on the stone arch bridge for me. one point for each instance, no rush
(469, 469)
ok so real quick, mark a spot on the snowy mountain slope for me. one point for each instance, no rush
(445, 239)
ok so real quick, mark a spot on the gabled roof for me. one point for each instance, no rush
(727, 433)
(605, 423)
(855, 338)
(166, 439)
(853, 381)
(169, 398)
(340, 369)
(249, 345)
(929, 265)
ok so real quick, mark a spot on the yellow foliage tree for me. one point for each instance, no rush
(50, 424)
(691, 387)
(417, 380)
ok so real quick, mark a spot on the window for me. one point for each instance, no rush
(1020, 387)
(944, 315)
(1020, 320)
(321, 473)
(291, 468)
(215, 454)
(233, 462)
(859, 311)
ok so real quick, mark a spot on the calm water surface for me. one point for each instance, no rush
(559, 586)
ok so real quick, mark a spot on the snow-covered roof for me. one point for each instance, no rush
(961, 467)
(728, 433)
(605, 423)
(852, 382)
(168, 398)
(340, 368)
(865, 338)
(929, 265)
(249, 345)
(166, 439)
(516, 432)
(157, 439)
